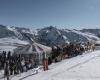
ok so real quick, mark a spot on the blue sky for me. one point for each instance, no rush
(70, 14)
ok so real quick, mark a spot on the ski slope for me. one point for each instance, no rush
(10, 43)
(83, 67)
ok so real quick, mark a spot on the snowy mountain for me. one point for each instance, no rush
(20, 33)
(52, 36)
(49, 36)
(94, 31)
(11, 37)
(80, 67)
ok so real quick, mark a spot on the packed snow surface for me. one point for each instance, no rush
(84, 67)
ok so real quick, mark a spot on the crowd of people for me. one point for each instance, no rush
(14, 64)
(69, 50)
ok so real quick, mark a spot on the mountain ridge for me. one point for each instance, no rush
(48, 36)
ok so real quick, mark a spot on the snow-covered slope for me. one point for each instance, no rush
(83, 67)
(10, 43)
